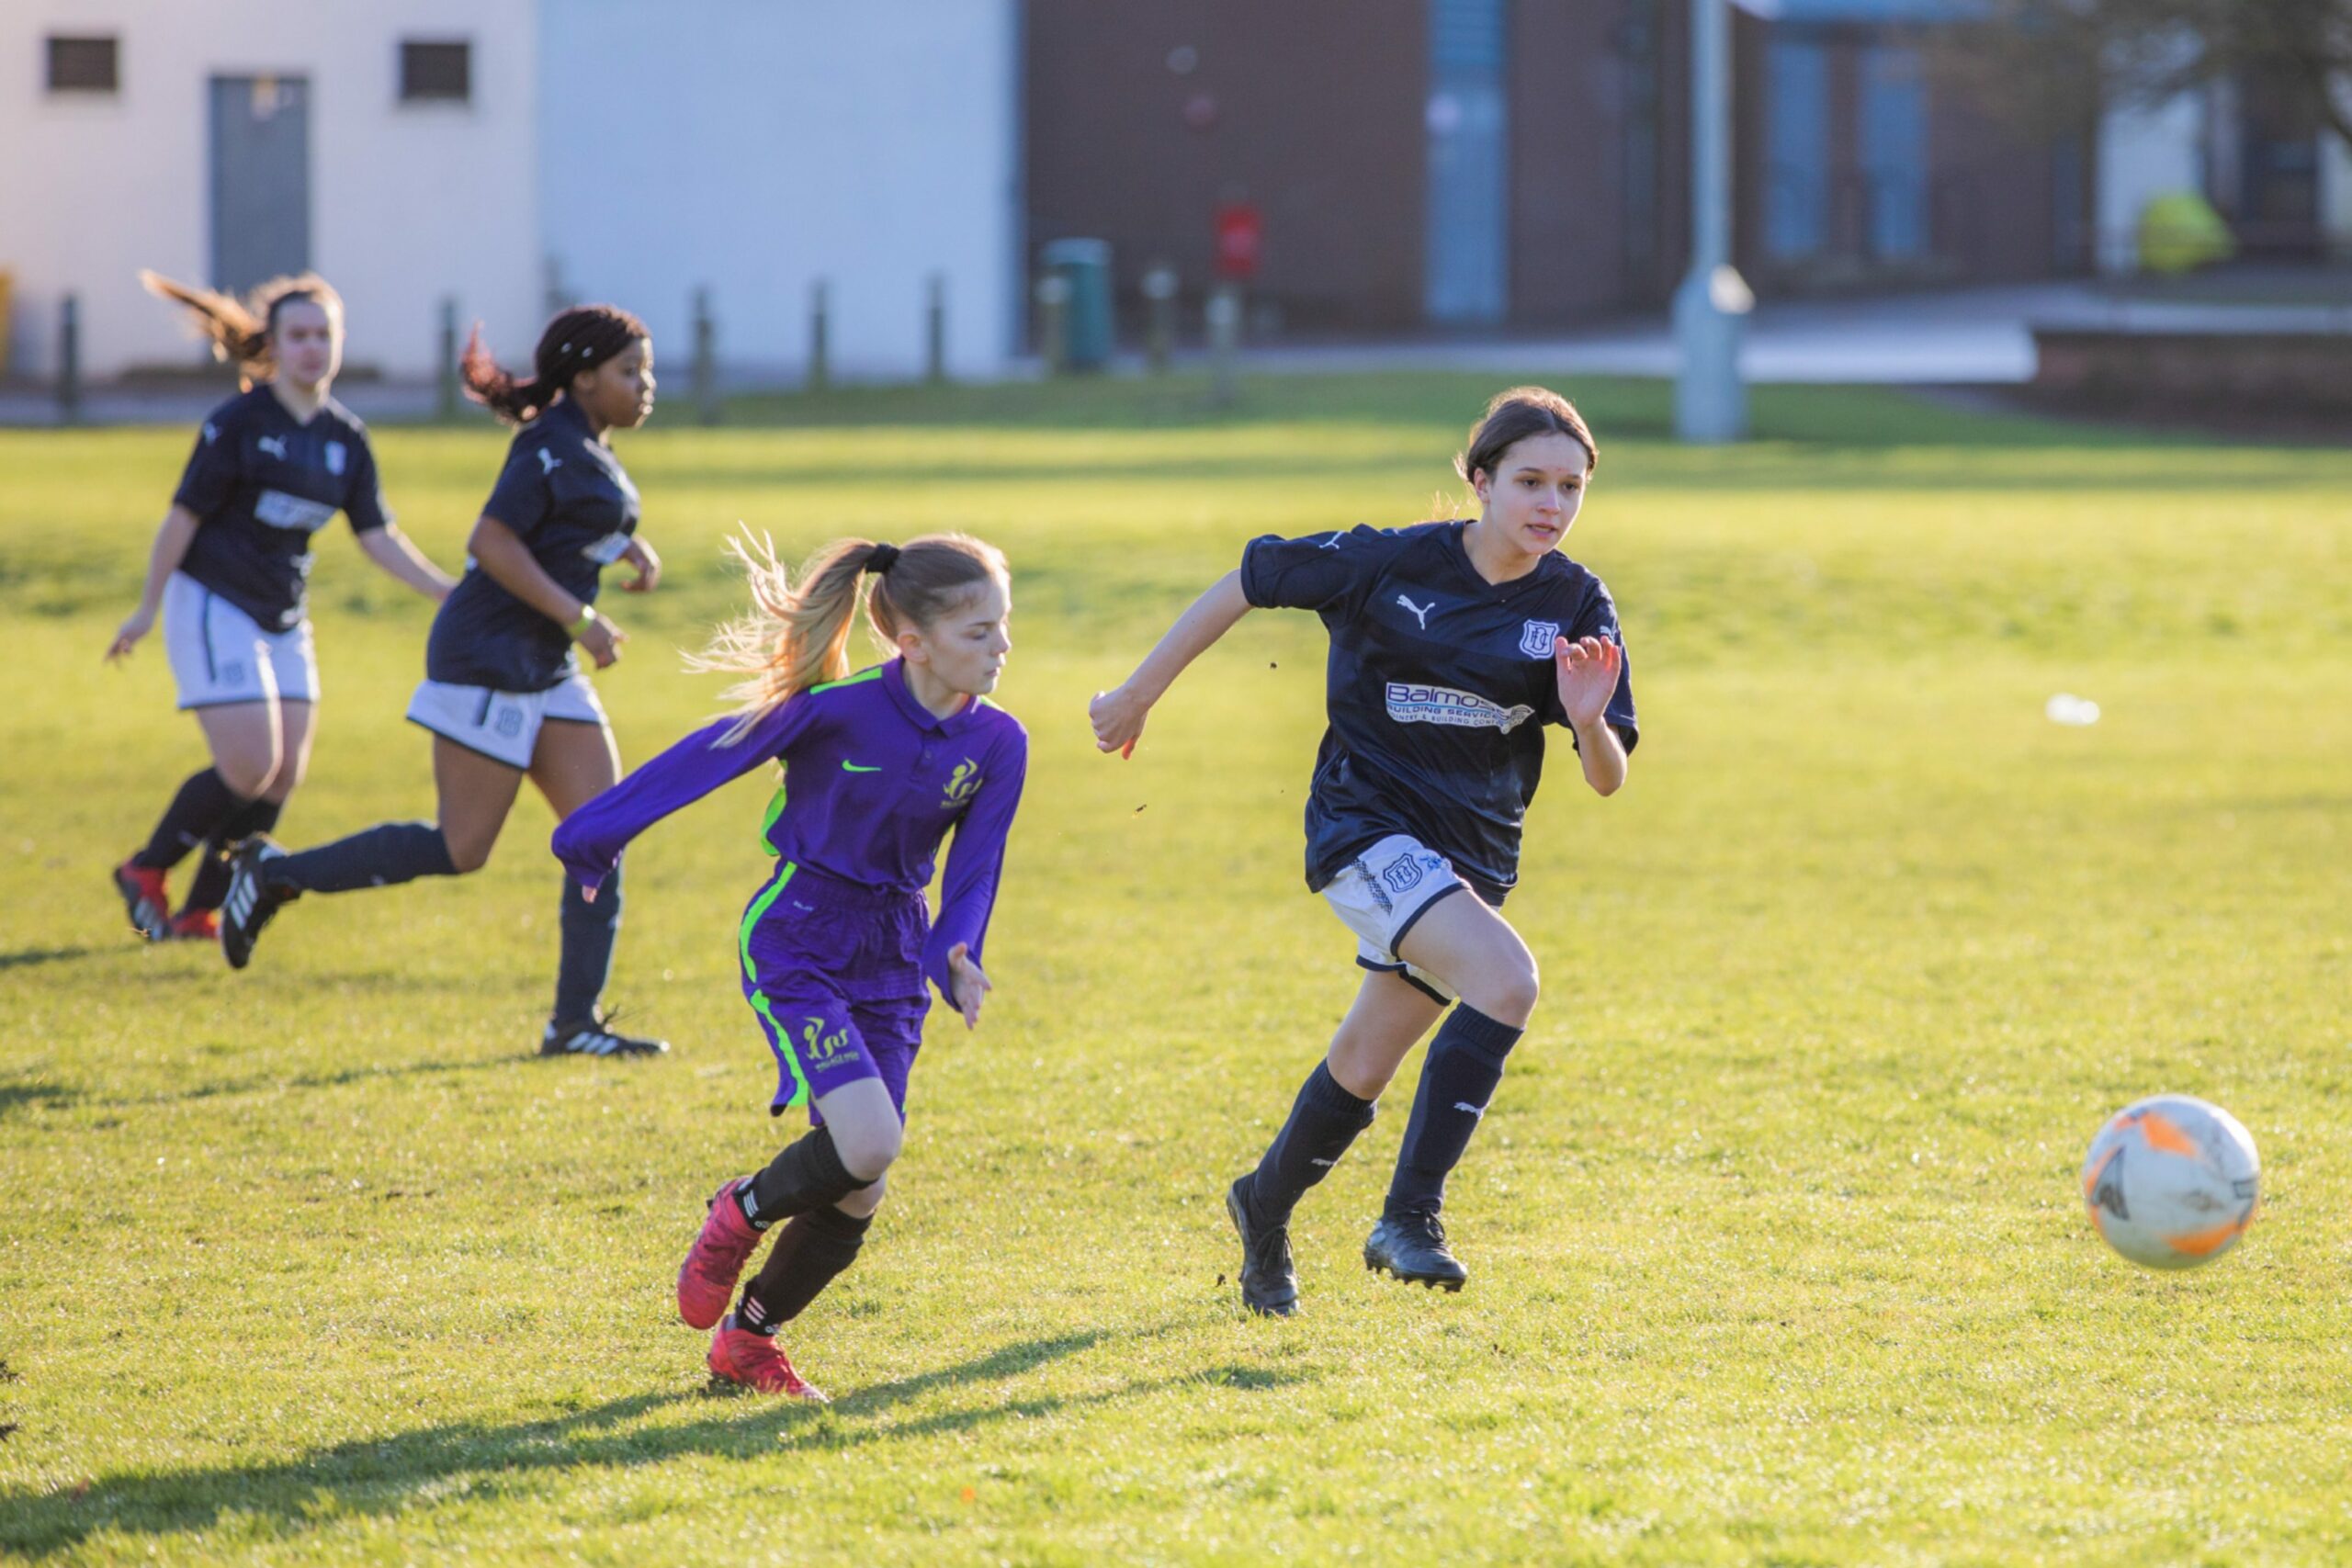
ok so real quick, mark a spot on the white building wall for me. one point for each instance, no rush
(2144, 152)
(409, 203)
(755, 147)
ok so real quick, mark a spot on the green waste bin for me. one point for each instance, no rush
(1085, 265)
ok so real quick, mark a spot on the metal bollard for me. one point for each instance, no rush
(69, 360)
(706, 366)
(820, 332)
(935, 331)
(1159, 333)
(1053, 322)
(1225, 334)
(445, 394)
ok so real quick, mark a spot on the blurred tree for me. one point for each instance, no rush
(2049, 65)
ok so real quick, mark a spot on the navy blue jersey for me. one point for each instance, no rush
(1439, 687)
(565, 495)
(261, 484)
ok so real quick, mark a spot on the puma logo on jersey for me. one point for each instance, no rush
(1420, 611)
(272, 444)
(1477, 1110)
(1332, 543)
(548, 461)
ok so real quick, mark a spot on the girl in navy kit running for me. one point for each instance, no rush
(271, 467)
(1447, 638)
(836, 946)
(503, 695)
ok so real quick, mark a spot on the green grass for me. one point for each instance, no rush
(1776, 1252)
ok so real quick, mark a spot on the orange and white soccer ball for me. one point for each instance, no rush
(2172, 1182)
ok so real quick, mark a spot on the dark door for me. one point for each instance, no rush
(261, 178)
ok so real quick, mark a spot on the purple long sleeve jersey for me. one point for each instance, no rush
(872, 782)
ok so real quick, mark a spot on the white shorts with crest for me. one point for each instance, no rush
(1381, 896)
(502, 725)
(219, 654)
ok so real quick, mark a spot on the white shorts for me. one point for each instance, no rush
(1391, 886)
(502, 725)
(219, 654)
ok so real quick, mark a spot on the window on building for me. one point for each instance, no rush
(84, 66)
(436, 73)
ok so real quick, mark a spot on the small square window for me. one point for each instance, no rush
(436, 73)
(83, 65)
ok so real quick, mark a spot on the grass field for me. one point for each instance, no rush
(1776, 1251)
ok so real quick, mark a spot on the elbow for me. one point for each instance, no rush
(1605, 787)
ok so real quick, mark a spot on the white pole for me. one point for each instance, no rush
(1710, 399)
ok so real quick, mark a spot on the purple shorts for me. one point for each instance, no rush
(833, 970)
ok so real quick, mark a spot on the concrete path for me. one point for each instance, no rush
(1971, 337)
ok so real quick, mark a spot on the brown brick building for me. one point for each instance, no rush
(1520, 163)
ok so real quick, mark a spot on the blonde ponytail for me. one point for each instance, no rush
(798, 637)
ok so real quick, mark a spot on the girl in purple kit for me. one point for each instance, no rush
(836, 946)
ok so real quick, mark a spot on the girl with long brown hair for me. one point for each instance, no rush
(836, 946)
(503, 695)
(228, 573)
(1447, 640)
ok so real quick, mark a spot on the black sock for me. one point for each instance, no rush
(1458, 1079)
(211, 884)
(203, 803)
(809, 1175)
(589, 931)
(809, 1255)
(381, 857)
(1324, 1120)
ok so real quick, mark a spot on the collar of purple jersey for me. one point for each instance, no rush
(893, 676)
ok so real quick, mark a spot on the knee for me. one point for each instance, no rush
(465, 854)
(868, 1151)
(282, 784)
(250, 778)
(1510, 994)
(862, 1204)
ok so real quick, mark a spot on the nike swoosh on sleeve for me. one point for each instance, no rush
(856, 768)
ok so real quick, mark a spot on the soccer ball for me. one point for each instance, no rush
(2172, 1182)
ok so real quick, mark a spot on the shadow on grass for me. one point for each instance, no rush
(26, 958)
(12, 1095)
(382, 1476)
(266, 1084)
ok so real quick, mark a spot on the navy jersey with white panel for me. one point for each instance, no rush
(566, 496)
(263, 482)
(1439, 686)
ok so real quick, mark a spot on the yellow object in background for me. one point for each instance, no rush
(2179, 231)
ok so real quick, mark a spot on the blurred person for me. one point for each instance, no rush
(1446, 639)
(503, 695)
(836, 946)
(228, 573)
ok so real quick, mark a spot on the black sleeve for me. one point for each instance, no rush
(1598, 618)
(216, 465)
(520, 498)
(363, 500)
(1321, 571)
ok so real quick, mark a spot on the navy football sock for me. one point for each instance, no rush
(589, 931)
(808, 1175)
(809, 1254)
(382, 856)
(1324, 1120)
(204, 802)
(1458, 1079)
(211, 884)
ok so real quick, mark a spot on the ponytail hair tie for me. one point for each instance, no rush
(884, 557)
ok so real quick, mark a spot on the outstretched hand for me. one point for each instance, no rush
(971, 983)
(1587, 670)
(1117, 716)
(127, 636)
